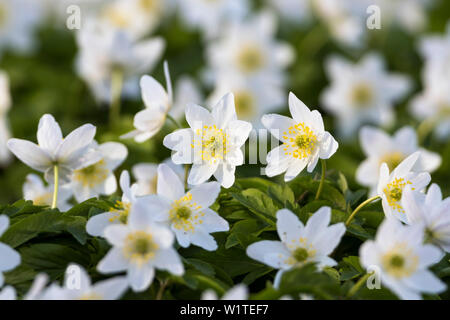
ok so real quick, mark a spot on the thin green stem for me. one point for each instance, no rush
(322, 179)
(116, 93)
(359, 208)
(55, 186)
(162, 287)
(186, 174)
(175, 122)
(358, 284)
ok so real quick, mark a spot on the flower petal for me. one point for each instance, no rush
(49, 134)
(169, 184)
(30, 154)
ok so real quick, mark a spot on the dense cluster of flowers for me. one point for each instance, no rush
(177, 204)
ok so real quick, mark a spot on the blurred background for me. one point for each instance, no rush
(51, 69)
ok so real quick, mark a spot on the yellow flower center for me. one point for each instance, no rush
(120, 211)
(185, 214)
(300, 254)
(92, 175)
(301, 251)
(250, 59)
(210, 143)
(139, 247)
(362, 95)
(117, 17)
(245, 104)
(150, 6)
(394, 192)
(392, 159)
(400, 261)
(301, 143)
(44, 199)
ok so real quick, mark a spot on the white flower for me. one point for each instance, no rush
(187, 214)
(186, 90)
(212, 143)
(8, 293)
(5, 105)
(18, 21)
(249, 49)
(253, 98)
(136, 17)
(157, 102)
(390, 186)
(403, 260)
(238, 292)
(362, 92)
(146, 175)
(431, 211)
(211, 16)
(299, 244)
(70, 153)
(98, 178)
(105, 52)
(119, 213)
(9, 258)
(296, 11)
(34, 189)
(304, 140)
(379, 147)
(78, 286)
(345, 19)
(139, 247)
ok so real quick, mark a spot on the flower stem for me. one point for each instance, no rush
(358, 284)
(175, 122)
(186, 174)
(322, 179)
(55, 186)
(116, 93)
(359, 208)
(162, 287)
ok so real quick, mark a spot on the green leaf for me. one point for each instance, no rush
(282, 194)
(260, 204)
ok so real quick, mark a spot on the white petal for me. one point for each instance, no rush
(201, 172)
(328, 146)
(140, 217)
(410, 203)
(318, 223)
(140, 276)
(169, 260)
(425, 281)
(10, 258)
(169, 184)
(4, 224)
(30, 154)
(205, 194)
(213, 222)
(76, 140)
(204, 240)
(329, 239)
(49, 134)
(406, 165)
(7, 293)
(295, 167)
(225, 175)
(111, 289)
(197, 116)
(224, 112)
(113, 262)
(429, 161)
(428, 255)
(373, 141)
(277, 125)
(434, 195)
(238, 292)
(299, 111)
(289, 227)
(116, 234)
(272, 253)
(125, 185)
(96, 225)
(238, 131)
(114, 154)
(406, 139)
(367, 172)
(153, 94)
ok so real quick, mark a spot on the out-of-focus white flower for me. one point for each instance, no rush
(379, 147)
(345, 19)
(119, 213)
(238, 292)
(34, 189)
(5, 105)
(249, 49)
(408, 14)
(431, 211)
(252, 98)
(186, 91)
(71, 153)
(18, 22)
(105, 52)
(390, 186)
(146, 175)
(187, 214)
(36, 292)
(157, 102)
(299, 244)
(9, 257)
(362, 92)
(433, 103)
(403, 259)
(212, 16)
(304, 140)
(98, 178)
(81, 288)
(212, 143)
(136, 17)
(139, 247)
(296, 11)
